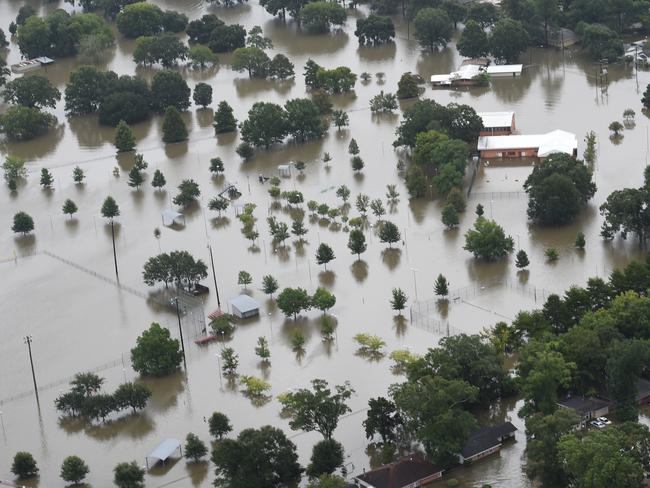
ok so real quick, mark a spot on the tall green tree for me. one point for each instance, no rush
(558, 189)
(202, 94)
(327, 456)
(258, 457)
(174, 128)
(324, 254)
(508, 39)
(433, 28)
(389, 233)
(73, 470)
(473, 42)
(32, 91)
(292, 301)
(156, 353)
(124, 139)
(24, 465)
(357, 242)
(128, 475)
(433, 412)
(317, 409)
(266, 125)
(487, 240)
(224, 120)
(23, 223)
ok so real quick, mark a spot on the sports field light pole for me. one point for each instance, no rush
(214, 275)
(28, 340)
(415, 283)
(180, 330)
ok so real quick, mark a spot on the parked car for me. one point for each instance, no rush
(604, 420)
(598, 424)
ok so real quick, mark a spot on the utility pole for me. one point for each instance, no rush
(180, 330)
(28, 340)
(214, 275)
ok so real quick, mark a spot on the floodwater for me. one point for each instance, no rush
(53, 284)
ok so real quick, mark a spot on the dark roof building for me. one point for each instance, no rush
(411, 472)
(486, 441)
(587, 407)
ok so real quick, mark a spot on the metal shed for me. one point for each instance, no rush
(244, 307)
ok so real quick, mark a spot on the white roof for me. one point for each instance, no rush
(165, 449)
(466, 72)
(170, 216)
(497, 69)
(496, 119)
(244, 304)
(552, 142)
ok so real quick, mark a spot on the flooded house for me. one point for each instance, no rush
(410, 472)
(486, 441)
(497, 123)
(525, 146)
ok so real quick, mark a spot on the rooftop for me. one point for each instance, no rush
(244, 303)
(486, 438)
(400, 473)
(498, 69)
(547, 144)
(496, 119)
(164, 450)
(583, 405)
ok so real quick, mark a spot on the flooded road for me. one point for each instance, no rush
(56, 285)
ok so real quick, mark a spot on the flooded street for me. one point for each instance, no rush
(57, 284)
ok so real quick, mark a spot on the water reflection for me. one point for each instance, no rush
(391, 257)
(359, 270)
(384, 52)
(197, 472)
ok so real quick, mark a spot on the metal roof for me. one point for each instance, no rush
(552, 142)
(165, 449)
(499, 69)
(244, 303)
(496, 119)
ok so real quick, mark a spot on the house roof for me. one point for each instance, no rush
(400, 473)
(583, 405)
(244, 303)
(499, 69)
(549, 143)
(486, 438)
(496, 119)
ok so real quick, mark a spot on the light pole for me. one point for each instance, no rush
(117, 275)
(218, 356)
(214, 275)
(28, 340)
(180, 330)
(415, 283)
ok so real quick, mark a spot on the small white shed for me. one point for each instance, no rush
(244, 307)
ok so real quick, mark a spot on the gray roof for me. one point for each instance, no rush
(486, 438)
(244, 303)
(165, 449)
(583, 405)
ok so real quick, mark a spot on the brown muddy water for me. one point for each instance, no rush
(52, 284)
